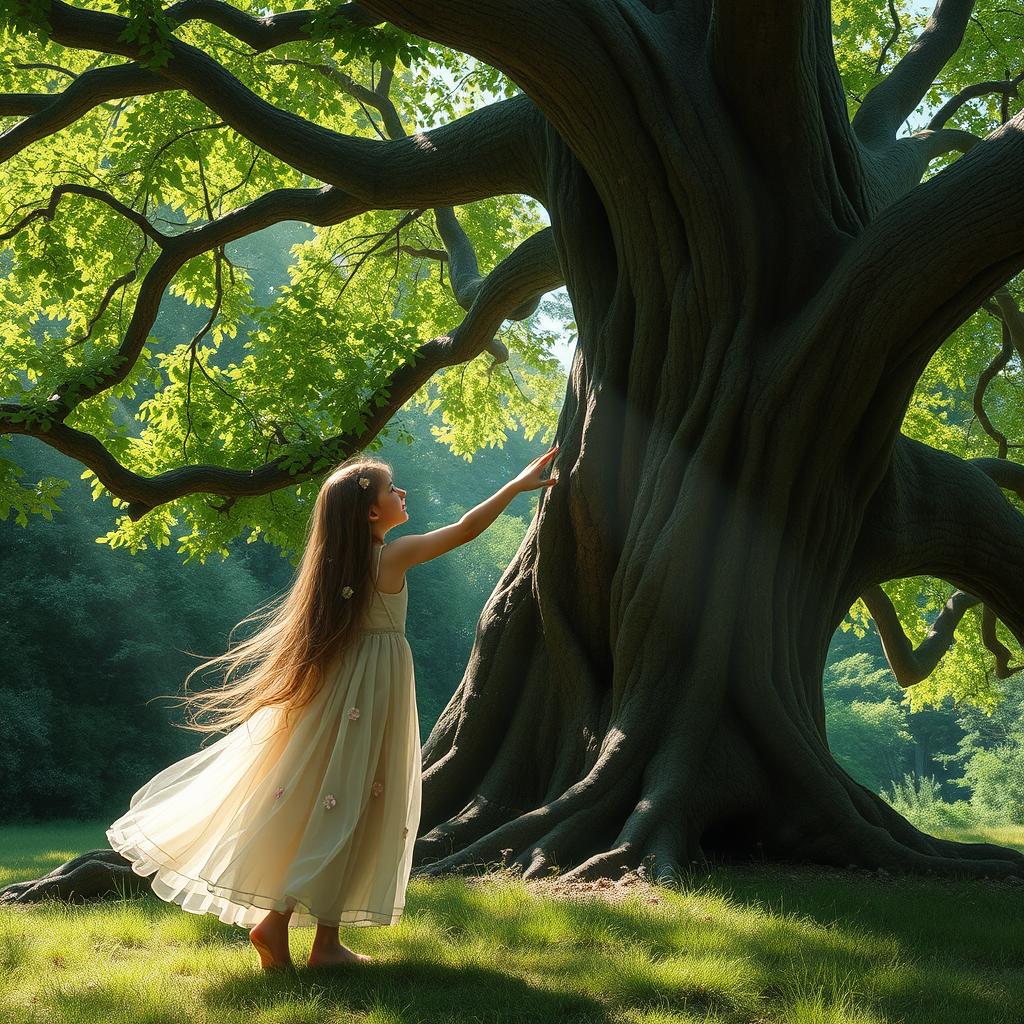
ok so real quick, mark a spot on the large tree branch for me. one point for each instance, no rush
(262, 33)
(937, 515)
(910, 665)
(899, 167)
(928, 262)
(499, 32)
(784, 44)
(486, 153)
(1005, 474)
(936, 142)
(52, 111)
(463, 269)
(896, 97)
(532, 267)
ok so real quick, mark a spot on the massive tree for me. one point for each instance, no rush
(759, 281)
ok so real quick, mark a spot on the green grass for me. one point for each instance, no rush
(771, 945)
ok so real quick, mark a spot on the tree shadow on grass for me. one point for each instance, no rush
(730, 944)
(413, 990)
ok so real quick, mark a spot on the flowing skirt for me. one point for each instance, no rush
(320, 820)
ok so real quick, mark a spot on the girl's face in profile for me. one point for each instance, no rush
(391, 504)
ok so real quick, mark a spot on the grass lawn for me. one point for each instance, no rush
(765, 944)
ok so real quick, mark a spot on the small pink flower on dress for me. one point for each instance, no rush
(353, 714)
(329, 801)
(278, 792)
(405, 832)
(378, 788)
(347, 592)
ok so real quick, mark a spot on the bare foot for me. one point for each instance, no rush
(333, 955)
(272, 947)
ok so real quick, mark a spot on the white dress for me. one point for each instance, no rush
(320, 820)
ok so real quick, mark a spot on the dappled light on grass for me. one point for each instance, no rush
(733, 945)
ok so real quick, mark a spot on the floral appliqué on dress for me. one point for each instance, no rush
(278, 792)
(377, 789)
(329, 801)
(353, 713)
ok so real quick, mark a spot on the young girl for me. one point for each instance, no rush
(307, 812)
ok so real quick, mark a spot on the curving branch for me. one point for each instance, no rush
(377, 98)
(929, 260)
(262, 33)
(896, 97)
(992, 642)
(70, 188)
(936, 142)
(49, 112)
(485, 153)
(987, 375)
(1005, 474)
(1012, 317)
(1006, 87)
(314, 206)
(899, 167)
(937, 515)
(462, 265)
(530, 268)
(463, 269)
(910, 665)
(897, 28)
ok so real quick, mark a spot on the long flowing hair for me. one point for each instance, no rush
(313, 624)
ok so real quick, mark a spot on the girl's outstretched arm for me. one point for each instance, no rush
(414, 548)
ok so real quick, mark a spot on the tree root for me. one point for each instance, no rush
(96, 874)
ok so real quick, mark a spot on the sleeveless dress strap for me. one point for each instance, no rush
(379, 593)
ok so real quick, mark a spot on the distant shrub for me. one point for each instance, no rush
(921, 804)
(996, 779)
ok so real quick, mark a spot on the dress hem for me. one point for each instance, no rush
(237, 908)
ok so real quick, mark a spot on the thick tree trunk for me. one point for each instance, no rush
(668, 704)
(646, 682)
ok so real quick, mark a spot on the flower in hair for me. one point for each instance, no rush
(364, 482)
(347, 592)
